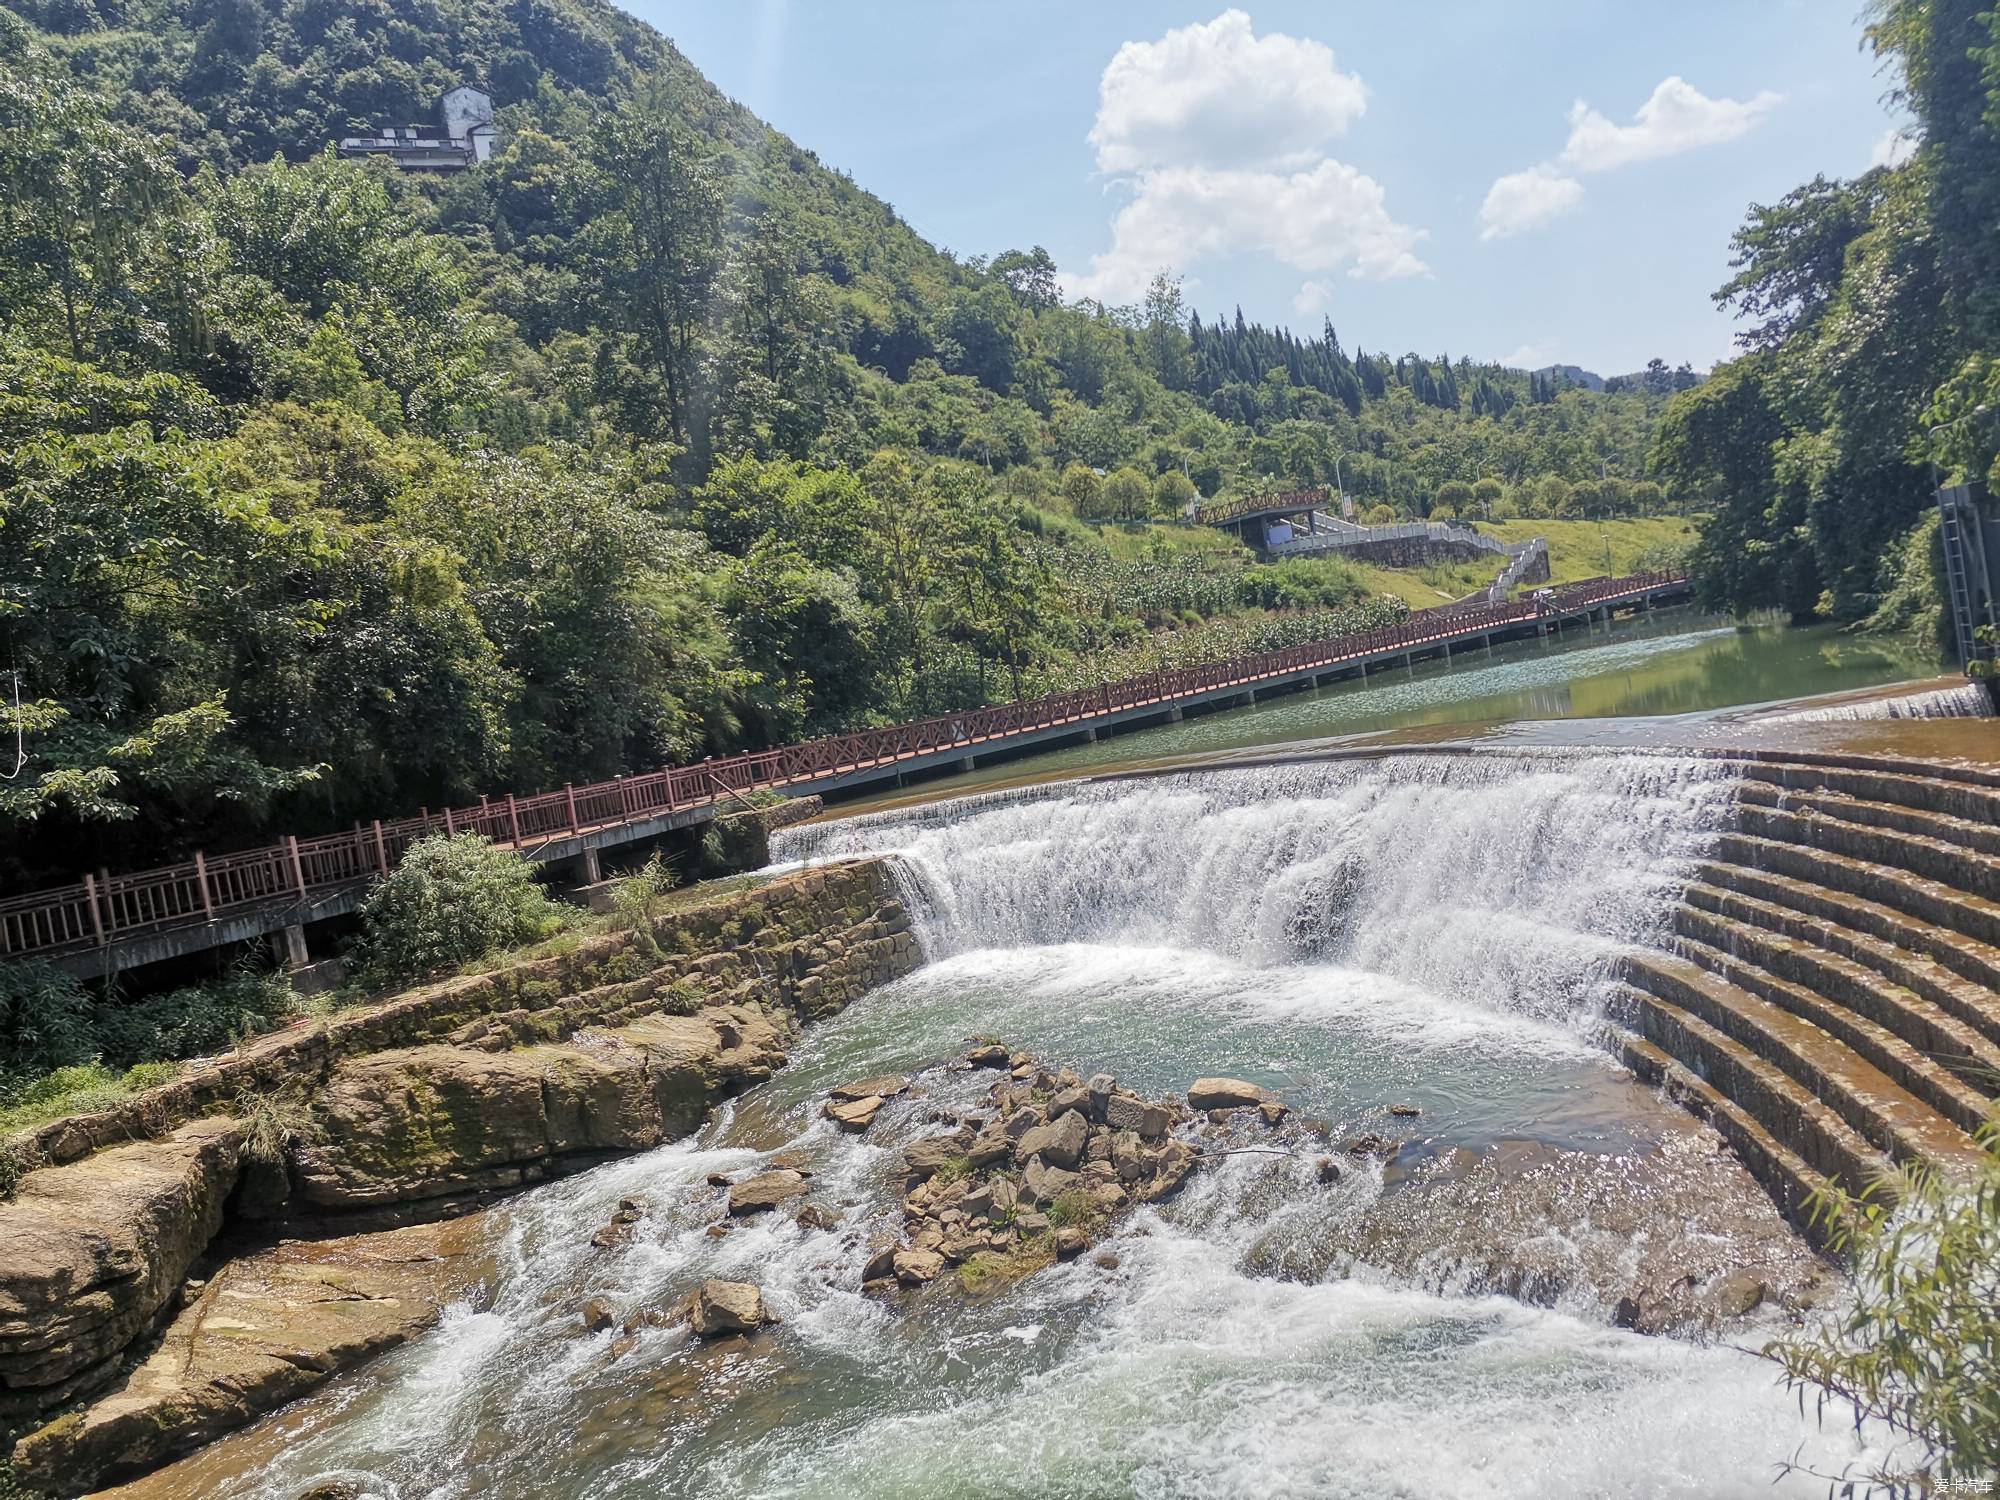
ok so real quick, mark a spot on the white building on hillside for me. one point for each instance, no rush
(464, 137)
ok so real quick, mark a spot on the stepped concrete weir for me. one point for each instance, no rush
(1828, 994)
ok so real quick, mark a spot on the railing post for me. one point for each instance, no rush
(201, 879)
(298, 867)
(449, 831)
(381, 849)
(514, 819)
(96, 916)
(569, 796)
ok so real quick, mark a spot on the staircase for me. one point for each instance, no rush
(1829, 994)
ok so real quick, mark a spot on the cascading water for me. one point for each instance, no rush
(1421, 929)
(1968, 701)
(1500, 881)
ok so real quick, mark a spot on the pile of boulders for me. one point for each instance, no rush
(1034, 1178)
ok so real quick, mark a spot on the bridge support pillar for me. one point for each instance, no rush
(1090, 736)
(1409, 664)
(1246, 700)
(967, 763)
(1174, 714)
(288, 947)
(589, 870)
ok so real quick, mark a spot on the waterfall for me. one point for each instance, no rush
(1505, 880)
(1967, 701)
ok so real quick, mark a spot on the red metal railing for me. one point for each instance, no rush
(102, 908)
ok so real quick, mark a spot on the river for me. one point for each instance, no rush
(1428, 931)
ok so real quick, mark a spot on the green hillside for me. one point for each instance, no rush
(327, 490)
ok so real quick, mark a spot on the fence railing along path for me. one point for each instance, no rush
(102, 908)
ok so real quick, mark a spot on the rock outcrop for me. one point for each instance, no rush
(421, 1122)
(92, 1253)
(265, 1331)
(1037, 1179)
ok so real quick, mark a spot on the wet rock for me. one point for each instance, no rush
(623, 1345)
(992, 1055)
(1367, 1144)
(1106, 1260)
(1327, 1170)
(597, 1315)
(721, 1307)
(854, 1115)
(267, 1329)
(884, 1087)
(1224, 1093)
(1070, 1242)
(1405, 1111)
(791, 1161)
(1061, 1141)
(1273, 1111)
(881, 1260)
(765, 1191)
(916, 1266)
(338, 1489)
(719, 1179)
(718, 1231)
(815, 1216)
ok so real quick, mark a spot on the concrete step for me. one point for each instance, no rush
(1934, 1007)
(1952, 1084)
(1800, 1191)
(1980, 836)
(1790, 1111)
(1972, 961)
(1922, 896)
(1933, 858)
(1935, 789)
(1870, 1104)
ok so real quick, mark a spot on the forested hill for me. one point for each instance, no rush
(326, 491)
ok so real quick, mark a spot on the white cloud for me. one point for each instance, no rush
(1219, 135)
(1533, 356)
(1321, 220)
(1895, 148)
(1527, 200)
(1218, 95)
(1312, 297)
(1678, 117)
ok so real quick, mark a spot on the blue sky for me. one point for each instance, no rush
(1540, 181)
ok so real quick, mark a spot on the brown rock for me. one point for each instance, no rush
(991, 1145)
(1070, 1242)
(1061, 1141)
(1042, 1184)
(886, 1086)
(1224, 1093)
(721, 1307)
(881, 1260)
(266, 1330)
(993, 1055)
(1327, 1170)
(1075, 1099)
(927, 1155)
(1367, 1144)
(815, 1216)
(92, 1251)
(765, 1191)
(1106, 1260)
(719, 1179)
(916, 1266)
(1405, 1111)
(854, 1114)
(1273, 1111)
(597, 1315)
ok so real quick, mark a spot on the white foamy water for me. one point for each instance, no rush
(1421, 929)
(1500, 881)
(1965, 702)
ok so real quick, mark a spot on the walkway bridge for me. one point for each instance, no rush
(107, 922)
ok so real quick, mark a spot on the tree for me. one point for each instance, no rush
(653, 243)
(1080, 488)
(1030, 276)
(1171, 492)
(1125, 493)
(1453, 499)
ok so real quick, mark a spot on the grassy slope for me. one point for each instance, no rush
(1577, 550)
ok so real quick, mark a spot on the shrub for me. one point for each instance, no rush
(78, 1090)
(195, 1020)
(1914, 1350)
(451, 900)
(47, 1021)
(636, 898)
